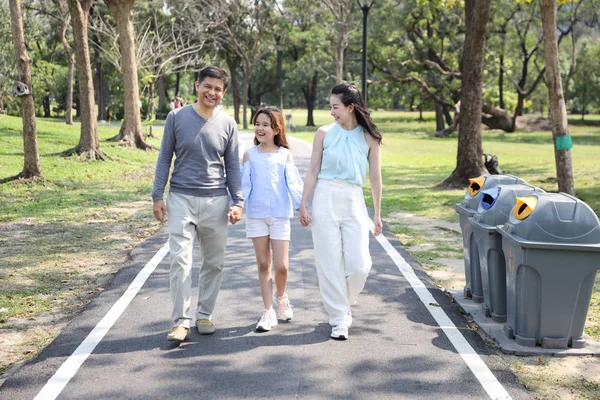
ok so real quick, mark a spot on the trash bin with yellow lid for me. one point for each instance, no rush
(466, 209)
(494, 209)
(551, 245)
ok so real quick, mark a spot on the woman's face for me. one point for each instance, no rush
(262, 129)
(339, 111)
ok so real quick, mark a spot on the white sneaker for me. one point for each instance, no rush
(267, 321)
(284, 308)
(339, 332)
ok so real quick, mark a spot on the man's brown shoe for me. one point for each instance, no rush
(205, 327)
(178, 334)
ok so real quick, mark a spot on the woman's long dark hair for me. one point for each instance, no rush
(349, 94)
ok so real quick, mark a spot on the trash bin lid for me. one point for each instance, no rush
(553, 218)
(497, 203)
(476, 185)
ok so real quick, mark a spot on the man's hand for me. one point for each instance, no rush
(234, 214)
(160, 210)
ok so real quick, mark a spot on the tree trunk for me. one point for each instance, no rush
(46, 106)
(122, 12)
(161, 89)
(246, 94)
(88, 146)
(560, 128)
(449, 119)
(70, 60)
(501, 73)
(245, 104)
(69, 100)
(279, 72)
(495, 118)
(232, 63)
(339, 56)
(584, 101)
(310, 96)
(439, 117)
(150, 117)
(158, 73)
(99, 84)
(31, 158)
(469, 161)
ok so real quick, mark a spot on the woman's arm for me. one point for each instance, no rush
(310, 180)
(375, 180)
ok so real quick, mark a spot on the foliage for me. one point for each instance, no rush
(585, 96)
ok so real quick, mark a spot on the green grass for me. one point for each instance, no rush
(72, 189)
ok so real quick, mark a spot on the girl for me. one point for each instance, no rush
(272, 189)
(342, 153)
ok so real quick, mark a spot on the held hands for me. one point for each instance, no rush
(304, 216)
(159, 209)
(378, 226)
(234, 214)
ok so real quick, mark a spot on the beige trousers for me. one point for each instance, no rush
(340, 230)
(206, 219)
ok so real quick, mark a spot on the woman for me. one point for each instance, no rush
(342, 154)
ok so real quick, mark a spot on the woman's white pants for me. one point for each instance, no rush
(340, 230)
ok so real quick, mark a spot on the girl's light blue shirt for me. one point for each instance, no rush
(272, 186)
(345, 155)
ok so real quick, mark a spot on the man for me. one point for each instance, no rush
(205, 143)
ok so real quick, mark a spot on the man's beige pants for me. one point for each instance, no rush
(205, 218)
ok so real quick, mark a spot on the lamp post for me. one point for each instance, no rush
(365, 6)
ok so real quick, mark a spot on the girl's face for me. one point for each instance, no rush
(262, 129)
(339, 111)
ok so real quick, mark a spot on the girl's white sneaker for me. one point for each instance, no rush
(267, 321)
(284, 307)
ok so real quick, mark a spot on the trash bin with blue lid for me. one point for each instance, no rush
(551, 244)
(494, 209)
(466, 209)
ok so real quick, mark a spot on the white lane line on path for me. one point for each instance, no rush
(483, 374)
(69, 368)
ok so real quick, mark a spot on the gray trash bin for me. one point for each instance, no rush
(466, 209)
(552, 248)
(494, 209)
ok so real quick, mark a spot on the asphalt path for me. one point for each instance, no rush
(407, 341)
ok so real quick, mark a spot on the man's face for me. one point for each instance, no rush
(210, 91)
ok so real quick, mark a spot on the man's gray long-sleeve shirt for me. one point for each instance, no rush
(206, 156)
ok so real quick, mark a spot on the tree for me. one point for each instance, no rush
(245, 31)
(528, 41)
(469, 162)
(307, 51)
(31, 164)
(560, 128)
(63, 11)
(57, 11)
(88, 146)
(131, 131)
(422, 53)
(8, 62)
(586, 91)
(342, 11)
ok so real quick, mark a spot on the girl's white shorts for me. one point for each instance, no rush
(274, 228)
